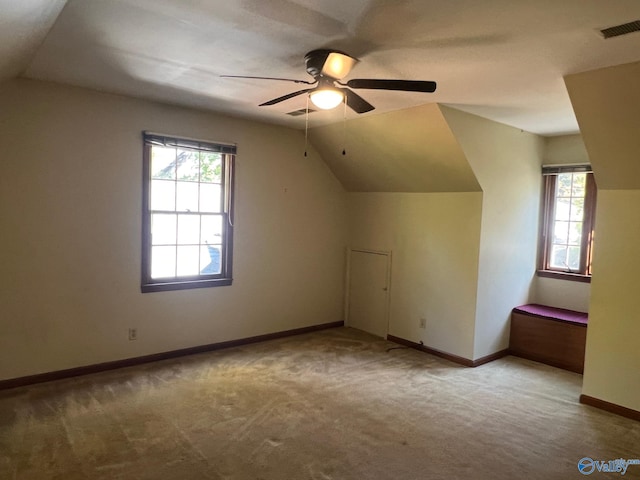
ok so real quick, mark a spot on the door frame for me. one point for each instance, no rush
(347, 283)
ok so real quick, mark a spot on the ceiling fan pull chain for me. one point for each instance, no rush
(306, 126)
(344, 127)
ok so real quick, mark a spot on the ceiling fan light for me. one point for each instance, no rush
(338, 65)
(327, 98)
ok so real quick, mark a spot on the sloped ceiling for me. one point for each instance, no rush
(501, 59)
(607, 105)
(24, 25)
(411, 150)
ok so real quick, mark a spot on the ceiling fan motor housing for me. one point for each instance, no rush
(316, 59)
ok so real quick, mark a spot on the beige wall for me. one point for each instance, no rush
(607, 103)
(434, 240)
(612, 367)
(70, 203)
(565, 149)
(433, 237)
(467, 306)
(506, 162)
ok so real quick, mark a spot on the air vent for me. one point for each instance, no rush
(621, 29)
(302, 111)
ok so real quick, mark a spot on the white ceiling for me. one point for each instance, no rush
(500, 59)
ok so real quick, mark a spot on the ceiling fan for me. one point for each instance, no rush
(328, 68)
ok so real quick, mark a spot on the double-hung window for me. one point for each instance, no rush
(187, 230)
(567, 229)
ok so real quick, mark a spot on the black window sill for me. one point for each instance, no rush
(572, 277)
(184, 285)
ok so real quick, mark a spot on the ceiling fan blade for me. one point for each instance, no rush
(404, 85)
(270, 78)
(284, 97)
(356, 102)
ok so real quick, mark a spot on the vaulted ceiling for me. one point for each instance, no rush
(501, 59)
(412, 150)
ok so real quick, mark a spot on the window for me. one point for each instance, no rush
(566, 241)
(187, 205)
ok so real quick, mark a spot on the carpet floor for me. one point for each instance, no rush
(329, 405)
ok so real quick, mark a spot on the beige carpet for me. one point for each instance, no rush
(328, 405)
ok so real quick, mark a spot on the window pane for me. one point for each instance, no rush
(188, 229)
(561, 232)
(185, 227)
(163, 229)
(563, 183)
(163, 262)
(211, 260)
(577, 209)
(187, 198)
(210, 167)
(188, 164)
(163, 163)
(579, 184)
(188, 261)
(567, 211)
(210, 197)
(211, 229)
(163, 195)
(574, 258)
(559, 257)
(563, 207)
(575, 233)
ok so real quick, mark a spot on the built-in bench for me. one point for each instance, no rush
(555, 336)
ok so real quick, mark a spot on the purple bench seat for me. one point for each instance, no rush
(555, 336)
(554, 313)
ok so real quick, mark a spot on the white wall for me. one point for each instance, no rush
(506, 162)
(434, 240)
(561, 293)
(70, 204)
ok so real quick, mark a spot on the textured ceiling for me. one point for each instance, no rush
(500, 59)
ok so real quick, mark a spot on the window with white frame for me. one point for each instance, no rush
(568, 220)
(187, 234)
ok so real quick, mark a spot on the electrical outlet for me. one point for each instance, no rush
(133, 334)
(423, 323)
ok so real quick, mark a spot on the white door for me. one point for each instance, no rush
(368, 291)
